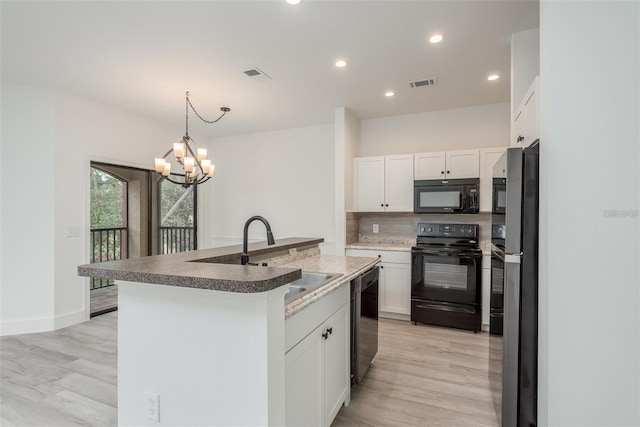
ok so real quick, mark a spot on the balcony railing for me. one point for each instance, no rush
(107, 244)
(177, 239)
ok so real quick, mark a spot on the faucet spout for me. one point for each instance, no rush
(244, 258)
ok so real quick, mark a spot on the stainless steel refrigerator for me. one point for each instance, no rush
(520, 329)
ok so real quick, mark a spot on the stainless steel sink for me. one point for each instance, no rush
(294, 291)
(308, 283)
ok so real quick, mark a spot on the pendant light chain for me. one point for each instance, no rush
(224, 110)
(186, 113)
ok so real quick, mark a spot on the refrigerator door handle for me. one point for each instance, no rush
(513, 258)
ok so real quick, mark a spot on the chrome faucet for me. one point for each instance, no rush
(244, 259)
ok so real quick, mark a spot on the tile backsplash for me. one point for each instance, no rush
(402, 227)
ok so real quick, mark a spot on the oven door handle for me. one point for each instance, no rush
(457, 254)
(445, 308)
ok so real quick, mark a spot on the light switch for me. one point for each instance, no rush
(73, 231)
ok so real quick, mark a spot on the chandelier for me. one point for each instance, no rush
(193, 160)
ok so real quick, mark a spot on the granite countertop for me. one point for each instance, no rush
(199, 269)
(349, 267)
(400, 246)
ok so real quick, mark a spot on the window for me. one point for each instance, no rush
(108, 222)
(177, 217)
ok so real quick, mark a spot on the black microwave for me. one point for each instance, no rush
(446, 196)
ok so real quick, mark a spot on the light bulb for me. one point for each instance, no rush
(213, 167)
(188, 163)
(178, 149)
(206, 165)
(167, 169)
(160, 162)
(202, 153)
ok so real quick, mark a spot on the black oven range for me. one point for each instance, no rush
(446, 276)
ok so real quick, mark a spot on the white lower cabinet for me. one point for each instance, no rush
(394, 284)
(303, 367)
(395, 288)
(336, 372)
(317, 369)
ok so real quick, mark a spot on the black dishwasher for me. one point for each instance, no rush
(364, 323)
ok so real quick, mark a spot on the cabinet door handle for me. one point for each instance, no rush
(386, 204)
(330, 330)
(382, 205)
(325, 335)
(442, 172)
(448, 171)
(382, 266)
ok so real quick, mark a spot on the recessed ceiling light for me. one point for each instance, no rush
(293, 1)
(389, 93)
(341, 63)
(493, 77)
(436, 38)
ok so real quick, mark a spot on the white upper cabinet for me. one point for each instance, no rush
(398, 189)
(463, 164)
(370, 184)
(488, 158)
(447, 165)
(384, 184)
(524, 126)
(430, 165)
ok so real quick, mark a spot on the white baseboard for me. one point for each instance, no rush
(394, 316)
(26, 326)
(69, 319)
(42, 324)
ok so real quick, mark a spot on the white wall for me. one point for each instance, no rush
(461, 128)
(39, 273)
(27, 192)
(347, 128)
(525, 63)
(286, 176)
(589, 343)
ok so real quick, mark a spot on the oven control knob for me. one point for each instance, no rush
(430, 230)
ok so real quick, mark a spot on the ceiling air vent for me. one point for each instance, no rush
(257, 74)
(425, 82)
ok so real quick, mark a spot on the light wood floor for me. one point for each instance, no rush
(61, 378)
(103, 299)
(422, 376)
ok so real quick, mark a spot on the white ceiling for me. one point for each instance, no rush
(143, 56)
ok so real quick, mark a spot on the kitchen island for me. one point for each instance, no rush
(202, 342)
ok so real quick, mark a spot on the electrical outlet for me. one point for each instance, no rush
(153, 407)
(376, 228)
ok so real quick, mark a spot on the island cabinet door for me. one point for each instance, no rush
(336, 362)
(303, 383)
